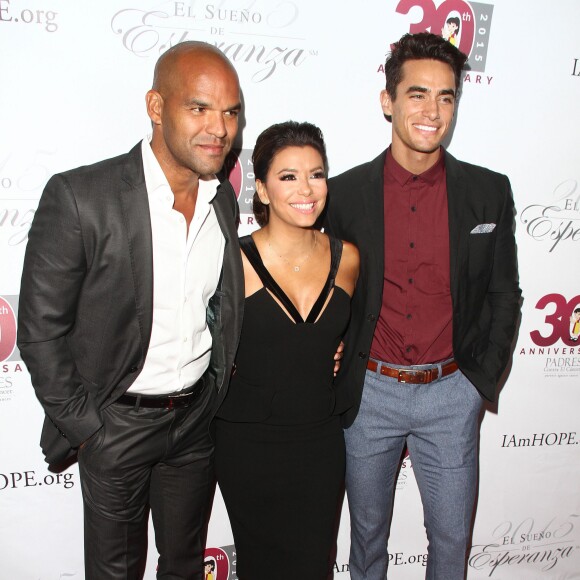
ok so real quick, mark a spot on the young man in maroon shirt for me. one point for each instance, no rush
(433, 316)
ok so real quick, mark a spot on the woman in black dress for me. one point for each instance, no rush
(279, 442)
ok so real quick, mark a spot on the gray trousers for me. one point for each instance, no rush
(146, 459)
(439, 422)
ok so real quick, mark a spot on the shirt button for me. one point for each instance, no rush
(415, 178)
(409, 316)
(408, 349)
(362, 355)
(371, 317)
(413, 208)
(410, 280)
(412, 245)
(185, 339)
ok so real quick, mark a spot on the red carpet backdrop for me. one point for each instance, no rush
(73, 78)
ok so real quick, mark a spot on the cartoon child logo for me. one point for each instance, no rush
(216, 564)
(209, 566)
(450, 31)
(575, 323)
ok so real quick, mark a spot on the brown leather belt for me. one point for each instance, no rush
(177, 401)
(413, 376)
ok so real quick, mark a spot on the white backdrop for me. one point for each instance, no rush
(73, 78)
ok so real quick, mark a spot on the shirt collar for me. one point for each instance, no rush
(432, 176)
(157, 183)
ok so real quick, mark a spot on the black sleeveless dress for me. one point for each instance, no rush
(279, 447)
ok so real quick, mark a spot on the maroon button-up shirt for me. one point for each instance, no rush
(415, 323)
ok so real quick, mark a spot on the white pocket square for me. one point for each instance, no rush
(483, 229)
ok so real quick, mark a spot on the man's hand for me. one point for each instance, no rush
(338, 356)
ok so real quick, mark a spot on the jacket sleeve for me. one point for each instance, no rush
(52, 279)
(503, 293)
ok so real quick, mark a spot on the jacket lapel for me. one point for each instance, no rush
(137, 222)
(457, 196)
(372, 199)
(231, 287)
(223, 212)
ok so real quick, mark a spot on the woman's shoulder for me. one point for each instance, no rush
(350, 261)
(348, 268)
(350, 251)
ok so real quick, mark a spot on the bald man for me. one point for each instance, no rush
(130, 312)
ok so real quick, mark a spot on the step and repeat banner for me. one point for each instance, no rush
(73, 77)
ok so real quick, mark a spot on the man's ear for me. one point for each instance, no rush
(262, 192)
(154, 105)
(386, 103)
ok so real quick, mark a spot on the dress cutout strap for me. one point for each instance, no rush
(335, 255)
(249, 248)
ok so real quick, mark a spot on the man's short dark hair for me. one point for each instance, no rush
(423, 45)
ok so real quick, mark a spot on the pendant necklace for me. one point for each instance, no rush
(295, 267)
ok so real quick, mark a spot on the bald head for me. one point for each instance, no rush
(193, 106)
(172, 63)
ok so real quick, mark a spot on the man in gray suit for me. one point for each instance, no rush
(130, 312)
(433, 316)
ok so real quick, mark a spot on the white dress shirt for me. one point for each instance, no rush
(186, 270)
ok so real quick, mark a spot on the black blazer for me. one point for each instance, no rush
(86, 298)
(484, 277)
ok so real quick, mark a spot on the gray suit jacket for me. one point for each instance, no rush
(86, 297)
(484, 276)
